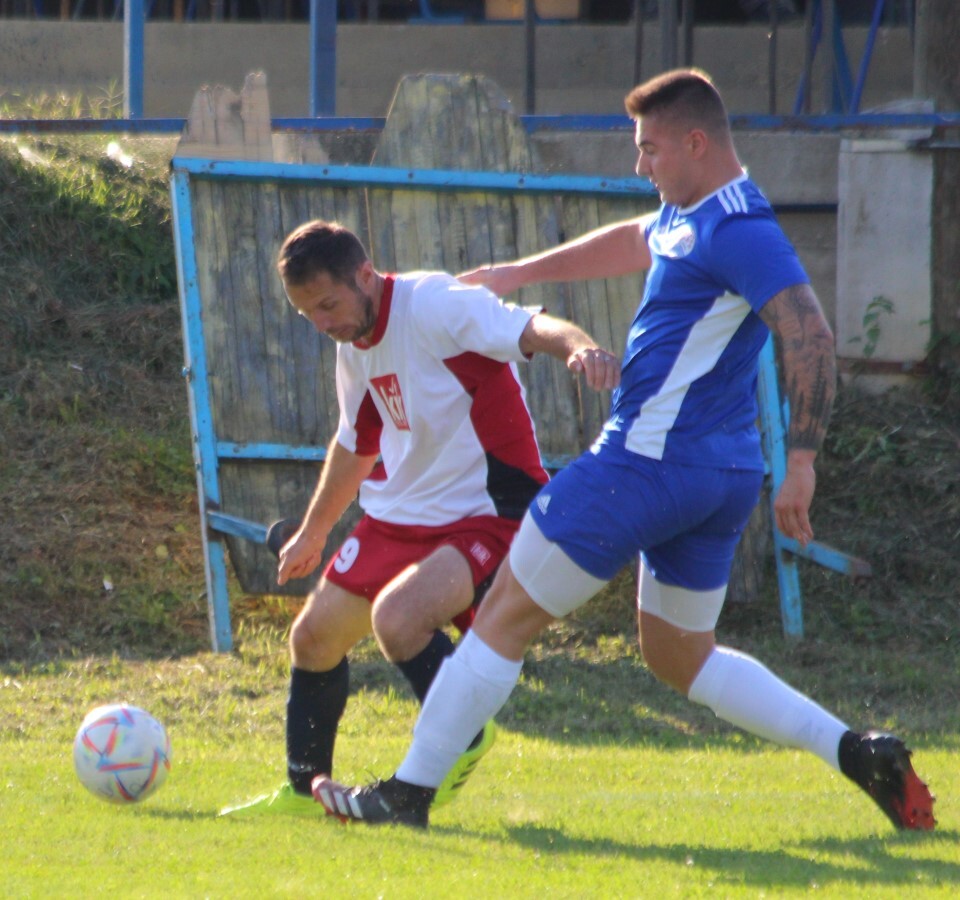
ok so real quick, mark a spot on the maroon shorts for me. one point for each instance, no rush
(376, 552)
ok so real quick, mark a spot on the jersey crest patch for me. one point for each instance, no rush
(388, 387)
(480, 553)
(674, 243)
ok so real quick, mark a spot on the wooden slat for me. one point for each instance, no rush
(222, 124)
(447, 122)
(247, 414)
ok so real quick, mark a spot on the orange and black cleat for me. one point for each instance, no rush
(880, 764)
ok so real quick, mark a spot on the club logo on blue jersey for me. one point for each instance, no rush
(674, 242)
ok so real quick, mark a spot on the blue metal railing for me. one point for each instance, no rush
(844, 94)
(828, 122)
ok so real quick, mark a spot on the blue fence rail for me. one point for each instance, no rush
(828, 122)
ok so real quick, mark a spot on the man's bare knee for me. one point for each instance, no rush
(314, 648)
(421, 599)
(674, 655)
(330, 623)
(508, 620)
(400, 635)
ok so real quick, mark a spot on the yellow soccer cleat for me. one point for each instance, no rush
(464, 766)
(283, 801)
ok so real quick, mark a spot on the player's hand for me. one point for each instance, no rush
(791, 506)
(299, 556)
(499, 279)
(599, 367)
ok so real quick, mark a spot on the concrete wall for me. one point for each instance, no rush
(580, 68)
(884, 240)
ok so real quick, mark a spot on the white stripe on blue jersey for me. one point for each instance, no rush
(707, 340)
(732, 199)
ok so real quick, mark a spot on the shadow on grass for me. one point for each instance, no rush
(179, 815)
(571, 692)
(790, 867)
(586, 700)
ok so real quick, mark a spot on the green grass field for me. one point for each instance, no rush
(601, 785)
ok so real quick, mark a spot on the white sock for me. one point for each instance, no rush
(745, 693)
(467, 692)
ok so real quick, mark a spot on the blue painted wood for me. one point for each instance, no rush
(208, 450)
(290, 453)
(252, 450)
(773, 430)
(218, 594)
(774, 418)
(829, 558)
(201, 419)
(413, 179)
(244, 528)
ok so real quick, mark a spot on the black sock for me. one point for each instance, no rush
(421, 670)
(314, 707)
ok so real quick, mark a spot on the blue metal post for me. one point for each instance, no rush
(133, 27)
(201, 418)
(867, 54)
(323, 58)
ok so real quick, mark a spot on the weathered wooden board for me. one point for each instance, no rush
(604, 308)
(466, 122)
(260, 492)
(459, 122)
(222, 124)
(297, 366)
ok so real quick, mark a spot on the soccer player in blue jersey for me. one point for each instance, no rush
(675, 473)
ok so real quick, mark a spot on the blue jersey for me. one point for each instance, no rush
(689, 381)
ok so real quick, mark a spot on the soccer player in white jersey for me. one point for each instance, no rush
(679, 456)
(436, 437)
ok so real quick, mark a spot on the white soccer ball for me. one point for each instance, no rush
(121, 753)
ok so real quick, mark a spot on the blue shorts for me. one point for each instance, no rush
(609, 505)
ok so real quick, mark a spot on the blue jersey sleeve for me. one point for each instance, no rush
(755, 259)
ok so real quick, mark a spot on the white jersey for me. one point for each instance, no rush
(436, 393)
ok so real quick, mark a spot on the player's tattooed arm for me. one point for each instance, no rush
(808, 361)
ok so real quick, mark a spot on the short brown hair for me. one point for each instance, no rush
(320, 247)
(687, 95)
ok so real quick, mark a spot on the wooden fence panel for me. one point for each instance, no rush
(272, 376)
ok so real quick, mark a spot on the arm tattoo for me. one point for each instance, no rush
(808, 362)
